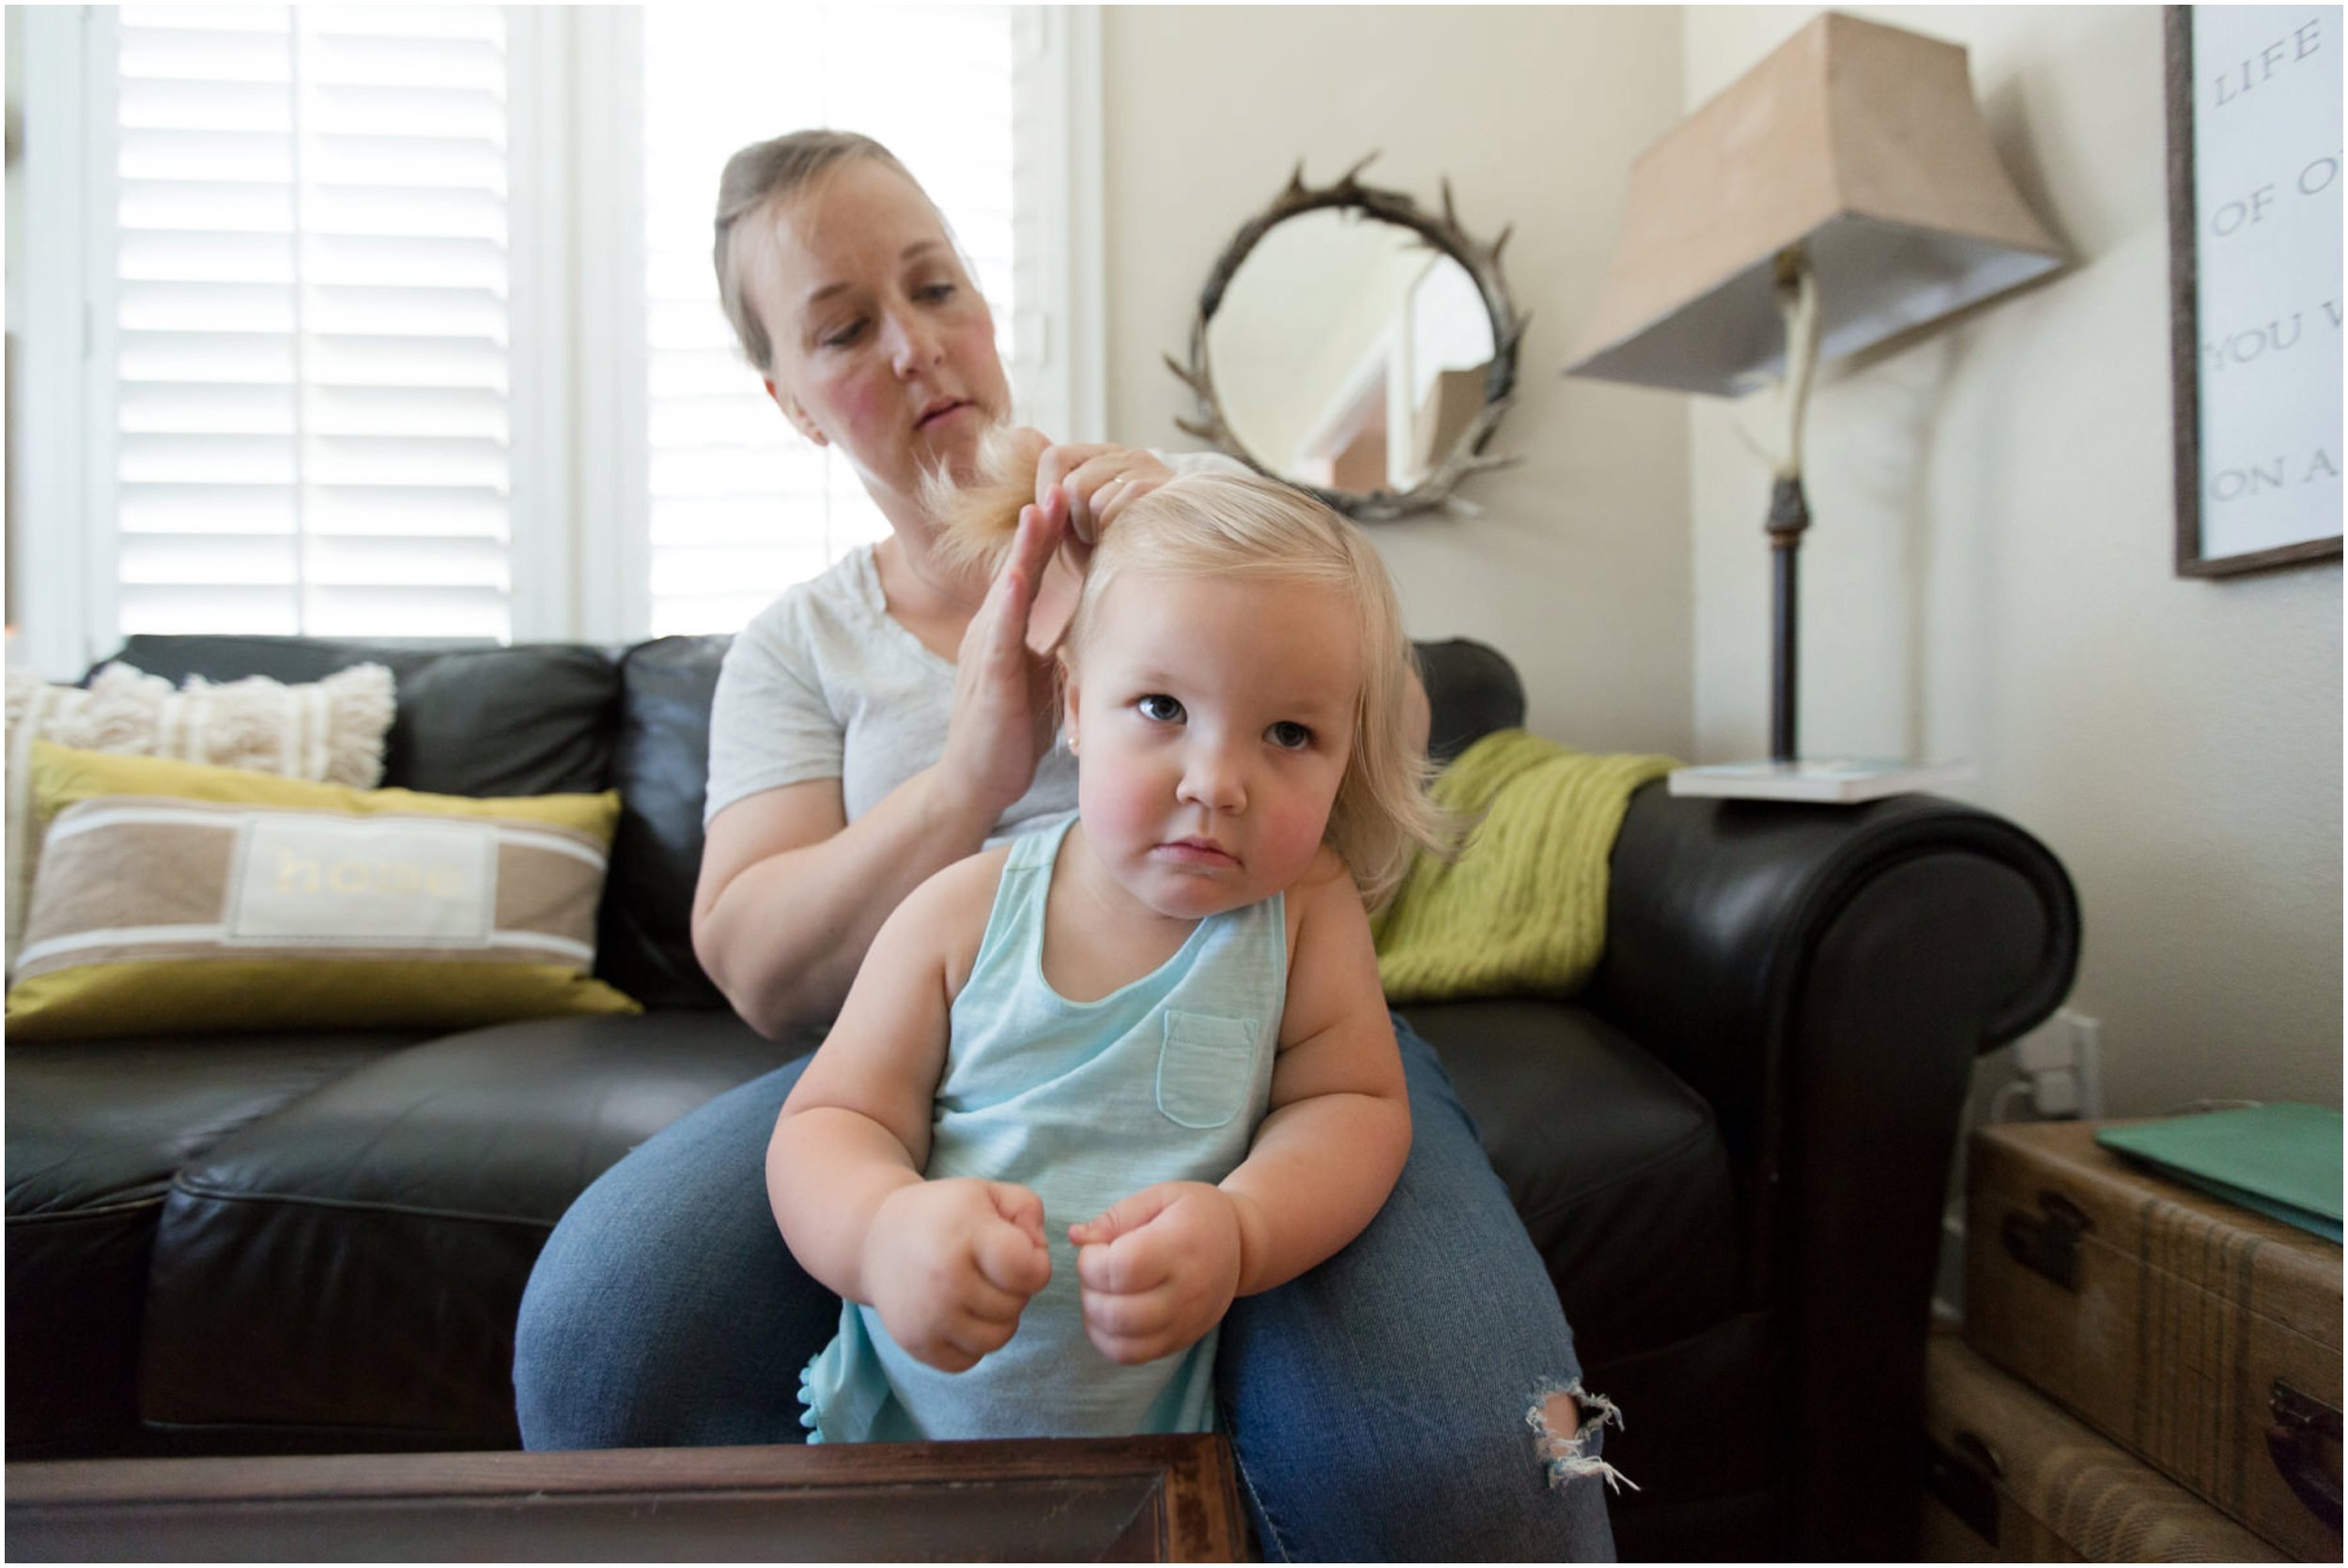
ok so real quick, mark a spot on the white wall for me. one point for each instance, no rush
(1989, 577)
(1579, 569)
(14, 267)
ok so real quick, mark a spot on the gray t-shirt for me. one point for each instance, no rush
(824, 684)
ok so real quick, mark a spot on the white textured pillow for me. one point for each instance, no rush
(328, 731)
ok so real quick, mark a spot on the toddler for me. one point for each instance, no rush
(1092, 1084)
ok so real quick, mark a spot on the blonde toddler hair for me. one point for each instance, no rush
(1248, 527)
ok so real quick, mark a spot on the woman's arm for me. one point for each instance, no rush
(792, 893)
(857, 1125)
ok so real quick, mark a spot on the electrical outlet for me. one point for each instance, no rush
(2055, 1094)
(2061, 1062)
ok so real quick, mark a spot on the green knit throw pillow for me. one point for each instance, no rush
(1523, 910)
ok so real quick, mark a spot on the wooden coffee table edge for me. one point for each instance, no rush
(1197, 1476)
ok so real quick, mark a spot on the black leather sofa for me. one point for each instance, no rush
(1731, 1150)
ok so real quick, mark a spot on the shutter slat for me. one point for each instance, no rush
(474, 22)
(195, 154)
(432, 510)
(457, 163)
(199, 255)
(177, 610)
(148, 457)
(166, 508)
(164, 104)
(205, 55)
(396, 612)
(394, 461)
(365, 561)
(189, 560)
(401, 111)
(202, 256)
(231, 19)
(416, 358)
(146, 306)
(163, 408)
(336, 61)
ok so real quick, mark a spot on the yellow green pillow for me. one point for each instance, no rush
(177, 897)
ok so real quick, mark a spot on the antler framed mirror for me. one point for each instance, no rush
(1355, 346)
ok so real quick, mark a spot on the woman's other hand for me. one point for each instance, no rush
(1004, 691)
(1101, 480)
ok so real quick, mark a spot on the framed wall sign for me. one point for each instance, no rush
(2254, 279)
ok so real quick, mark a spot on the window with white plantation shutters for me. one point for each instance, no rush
(740, 506)
(308, 326)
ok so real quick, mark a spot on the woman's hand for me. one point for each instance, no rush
(950, 1265)
(1004, 691)
(1101, 480)
(1158, 1270)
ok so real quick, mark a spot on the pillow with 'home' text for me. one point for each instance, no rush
(175, 898)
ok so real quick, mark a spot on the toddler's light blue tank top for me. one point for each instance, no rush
(1086, 1102)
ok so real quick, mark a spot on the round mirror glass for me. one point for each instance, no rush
(1348, 352)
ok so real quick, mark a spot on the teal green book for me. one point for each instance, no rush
(2281, 1159)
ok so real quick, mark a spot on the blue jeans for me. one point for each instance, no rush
(1381, 1406)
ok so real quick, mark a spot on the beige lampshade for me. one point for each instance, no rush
(1857, 141)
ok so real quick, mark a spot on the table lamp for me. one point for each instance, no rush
(1842, 192)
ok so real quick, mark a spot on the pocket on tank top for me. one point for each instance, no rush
(1203, 1068)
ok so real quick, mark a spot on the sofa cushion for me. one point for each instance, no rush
(472, 720)
(95, 1131)
(347, 1272)
(1615, 1166)
(660, 765)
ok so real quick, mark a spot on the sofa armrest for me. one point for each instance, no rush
(1825, 976)
(1472, 690)
(1717, 911)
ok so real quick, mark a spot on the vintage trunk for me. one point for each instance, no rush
(2015, 1480)
(2201, 1337)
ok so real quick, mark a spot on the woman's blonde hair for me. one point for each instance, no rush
(1242, 526)
(756, 179)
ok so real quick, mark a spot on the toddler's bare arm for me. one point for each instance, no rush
(857, 1126)
(1339, 1126)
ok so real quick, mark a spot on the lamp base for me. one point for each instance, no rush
(1823, 781)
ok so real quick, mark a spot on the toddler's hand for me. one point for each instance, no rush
(1158, 1270)
(950, 1265)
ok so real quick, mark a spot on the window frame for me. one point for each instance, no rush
(67, 572)
(579, 545)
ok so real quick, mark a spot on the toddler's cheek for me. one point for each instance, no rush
(1294, 842)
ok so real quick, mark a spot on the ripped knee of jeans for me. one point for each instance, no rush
(1564, 1442)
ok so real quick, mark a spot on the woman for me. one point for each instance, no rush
(1412, 1398)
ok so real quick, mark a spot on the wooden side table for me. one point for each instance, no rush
(1147, 1500)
